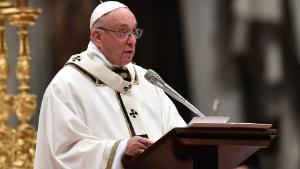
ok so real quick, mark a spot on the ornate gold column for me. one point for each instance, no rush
(21, 17)
(6, 100)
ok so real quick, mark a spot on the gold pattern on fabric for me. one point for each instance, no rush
(112, 155)
(136, 78)
(94, 79)
(125, 115)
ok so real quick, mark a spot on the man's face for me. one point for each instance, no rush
(118, 51)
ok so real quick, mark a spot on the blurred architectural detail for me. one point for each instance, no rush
(6, 99)
(263, 46)
(247, 49)
(17, 146)
(265, 12)
(71, 31)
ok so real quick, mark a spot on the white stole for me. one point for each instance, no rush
(115, 82)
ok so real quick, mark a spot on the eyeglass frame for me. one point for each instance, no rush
(123, 35)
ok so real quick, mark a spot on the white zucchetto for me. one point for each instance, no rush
(104, 8)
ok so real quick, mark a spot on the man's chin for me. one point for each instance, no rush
(127, 60)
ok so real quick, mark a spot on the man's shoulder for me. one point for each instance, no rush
(65, 76)
(65, 73)
(65, 81)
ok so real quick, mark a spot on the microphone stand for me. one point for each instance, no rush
(181, 99)
(156, 80)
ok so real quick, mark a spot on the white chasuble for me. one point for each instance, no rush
(83, 125)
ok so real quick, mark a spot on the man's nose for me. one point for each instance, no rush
(131, 39)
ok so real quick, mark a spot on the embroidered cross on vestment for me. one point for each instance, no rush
(76, 58)
(133, 113)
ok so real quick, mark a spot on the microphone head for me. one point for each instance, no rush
(153, 77)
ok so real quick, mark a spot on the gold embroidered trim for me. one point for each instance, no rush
(94, 79)
(136, 78)
(125, 115)
(89, 76)
(112, 155)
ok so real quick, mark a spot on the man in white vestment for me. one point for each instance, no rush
(99, 108)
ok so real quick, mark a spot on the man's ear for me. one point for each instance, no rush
(96, 36)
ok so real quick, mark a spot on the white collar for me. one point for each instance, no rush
(94, 53)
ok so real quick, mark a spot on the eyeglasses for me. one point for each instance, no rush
(124, 33)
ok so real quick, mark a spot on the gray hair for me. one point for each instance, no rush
(97, 23)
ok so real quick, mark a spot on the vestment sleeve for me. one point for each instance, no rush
(66, 142)
(171, 117)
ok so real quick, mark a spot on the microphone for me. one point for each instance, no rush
(156, 80)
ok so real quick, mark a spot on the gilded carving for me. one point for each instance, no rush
(25, 105)
(17, 146)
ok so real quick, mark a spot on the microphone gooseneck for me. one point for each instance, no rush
(156, 80)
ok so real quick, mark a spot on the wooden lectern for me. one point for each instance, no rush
(205, 146)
